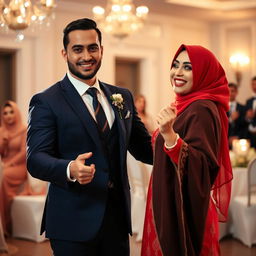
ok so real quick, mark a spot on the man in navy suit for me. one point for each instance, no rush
(236, 115)
(87, 210)
(251, 114)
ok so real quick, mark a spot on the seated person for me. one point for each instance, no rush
(13, 157)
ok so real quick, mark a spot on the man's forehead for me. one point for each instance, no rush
(84, 36)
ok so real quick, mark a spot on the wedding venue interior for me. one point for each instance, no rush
(139, 39)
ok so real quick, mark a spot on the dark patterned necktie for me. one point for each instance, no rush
(99, 112)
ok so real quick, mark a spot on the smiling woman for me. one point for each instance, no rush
(190, 185)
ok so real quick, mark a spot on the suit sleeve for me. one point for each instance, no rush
(42, 161)
(140, 140)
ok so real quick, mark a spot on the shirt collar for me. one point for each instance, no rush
(82, 87)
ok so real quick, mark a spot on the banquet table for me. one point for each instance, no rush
(239, 188)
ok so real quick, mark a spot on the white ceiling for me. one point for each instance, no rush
(198, 9)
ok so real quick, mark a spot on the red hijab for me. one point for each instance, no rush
(209, 82)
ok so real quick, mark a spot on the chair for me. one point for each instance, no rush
(26, 212)
(138, 175)
(243, 210)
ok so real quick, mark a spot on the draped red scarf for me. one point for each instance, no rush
(209, 82)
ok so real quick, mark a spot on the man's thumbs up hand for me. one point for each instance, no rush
(80, 171)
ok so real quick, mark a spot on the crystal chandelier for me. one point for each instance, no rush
(20, 14)
(120, 18)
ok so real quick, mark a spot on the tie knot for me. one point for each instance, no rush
(92, 91)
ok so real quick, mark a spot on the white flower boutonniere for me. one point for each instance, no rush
(118, 101)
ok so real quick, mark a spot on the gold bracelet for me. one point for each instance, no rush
(175, 143)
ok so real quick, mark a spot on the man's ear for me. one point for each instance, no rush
(64, 54)
(101, 50)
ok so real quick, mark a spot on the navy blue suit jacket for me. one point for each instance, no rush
(239, 126)
(61, 128)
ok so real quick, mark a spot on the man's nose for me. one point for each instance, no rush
(86, 55)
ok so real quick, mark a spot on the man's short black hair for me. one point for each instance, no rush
(81, 24)
(233, 85)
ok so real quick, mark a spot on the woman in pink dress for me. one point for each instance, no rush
(146, 118)
(190, 184)
(13, 157)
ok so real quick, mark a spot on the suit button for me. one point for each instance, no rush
(110, 184)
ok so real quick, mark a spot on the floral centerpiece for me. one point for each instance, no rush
(241, 154)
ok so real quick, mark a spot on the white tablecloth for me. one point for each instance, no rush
(27, 214)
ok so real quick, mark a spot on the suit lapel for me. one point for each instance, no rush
(76, 103)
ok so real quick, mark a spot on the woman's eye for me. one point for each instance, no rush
(175, 65)
(188, 67)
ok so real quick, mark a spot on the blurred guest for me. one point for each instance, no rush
(13, 156)
(236, 116)
(140, 103)
(251, 114)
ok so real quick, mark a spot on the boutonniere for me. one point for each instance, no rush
(118, 101)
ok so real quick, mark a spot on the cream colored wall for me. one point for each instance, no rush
(231, 37)
(40, 63)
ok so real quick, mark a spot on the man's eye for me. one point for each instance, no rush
(77, 50)
(94, 48)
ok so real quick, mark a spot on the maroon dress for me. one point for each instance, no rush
(180, 216)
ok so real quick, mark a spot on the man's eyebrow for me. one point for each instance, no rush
(81, 46)
(77, 45)
(94, 44)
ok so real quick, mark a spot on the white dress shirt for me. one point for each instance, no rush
(232, 108)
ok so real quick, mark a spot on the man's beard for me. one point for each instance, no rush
(78, 74)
